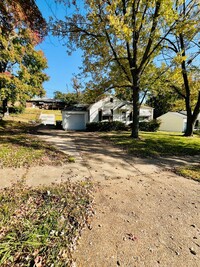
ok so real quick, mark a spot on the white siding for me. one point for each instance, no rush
(172, 122)
(94, 111)
(74, 120)
(105, 104)
(146, 112)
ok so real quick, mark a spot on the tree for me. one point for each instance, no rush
(21, 66)
(21, 13)
(120, 39)
(162, 102)
(68, 98)
(181, 52)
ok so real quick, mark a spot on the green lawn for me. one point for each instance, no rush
(18, 148)
(160, 144)
(156, 144)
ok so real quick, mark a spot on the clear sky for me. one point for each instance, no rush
(61, 66)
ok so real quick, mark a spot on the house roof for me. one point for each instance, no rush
(77, 107)
(182, 114)
(46, 100)
(174, 113)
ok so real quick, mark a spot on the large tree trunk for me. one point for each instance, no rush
(189, 126)
(136, 110)
(5, 105)
(191, 117)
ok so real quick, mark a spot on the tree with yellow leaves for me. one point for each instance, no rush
(120, 40)
(21, 66)
(181, 53)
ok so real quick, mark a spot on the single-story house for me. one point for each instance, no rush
(45, 103)
(107, 109)
(175, 121)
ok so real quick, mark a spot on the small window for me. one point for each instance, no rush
(100, 115)
(111, 100)
(131, 116)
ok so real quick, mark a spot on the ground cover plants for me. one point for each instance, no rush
(18, 148)
(40, 226)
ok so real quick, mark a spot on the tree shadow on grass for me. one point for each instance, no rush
(20, 134)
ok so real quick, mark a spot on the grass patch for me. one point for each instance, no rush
(57, 113)
(33, 114)
(18, 148)
(29, 114)
(156, 144)
(191, 172)
(40, 226)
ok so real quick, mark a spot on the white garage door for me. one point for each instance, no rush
(74, 122)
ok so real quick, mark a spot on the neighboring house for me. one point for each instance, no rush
(107, 109)
(175, 121)
(45, 103)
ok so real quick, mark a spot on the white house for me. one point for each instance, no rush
(107, 109)
(174, 121)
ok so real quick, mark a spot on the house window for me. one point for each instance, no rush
(111, 100)
(131, 116)
(123, 115)
(106, 118)
(107, 115)
(100, 115)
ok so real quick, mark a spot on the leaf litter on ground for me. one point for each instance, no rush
(41, 226)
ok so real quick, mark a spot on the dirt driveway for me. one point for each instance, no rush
(145, 215)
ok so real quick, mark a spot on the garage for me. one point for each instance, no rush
(74, 120)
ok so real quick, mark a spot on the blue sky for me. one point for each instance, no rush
(61, 66)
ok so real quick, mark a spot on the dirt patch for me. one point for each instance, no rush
(143, 221)
(145, 215)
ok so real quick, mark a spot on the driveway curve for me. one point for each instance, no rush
(145, 214)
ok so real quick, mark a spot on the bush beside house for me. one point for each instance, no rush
(149, 126)
(106, 126)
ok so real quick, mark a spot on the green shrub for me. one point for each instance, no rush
(16, 110)
(149, 126)
(106, 126)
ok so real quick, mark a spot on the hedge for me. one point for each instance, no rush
(106, 126)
